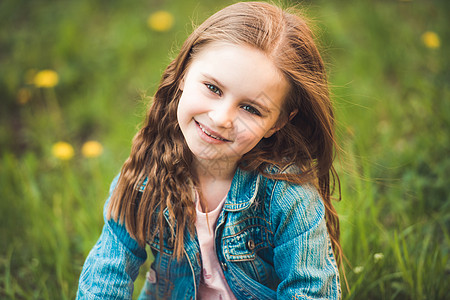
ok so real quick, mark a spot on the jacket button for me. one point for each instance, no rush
(224, 266)
(251, 245)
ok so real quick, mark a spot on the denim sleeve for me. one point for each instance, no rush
(303, 257)
(113, 264)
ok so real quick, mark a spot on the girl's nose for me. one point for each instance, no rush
(222, 116)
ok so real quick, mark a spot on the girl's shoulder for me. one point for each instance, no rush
(281, 203)
(273, 188)
(284, 194)
(293, 203)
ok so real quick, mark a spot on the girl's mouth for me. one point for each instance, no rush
(214, 136)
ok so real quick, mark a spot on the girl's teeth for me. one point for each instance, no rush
(209, 134)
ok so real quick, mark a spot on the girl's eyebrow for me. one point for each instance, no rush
(215, 81)
(251, 101)
(260, 105)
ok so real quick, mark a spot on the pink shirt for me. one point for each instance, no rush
(212, 283)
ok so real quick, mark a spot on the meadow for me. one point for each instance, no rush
(77, 76)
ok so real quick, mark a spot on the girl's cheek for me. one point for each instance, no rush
(247, 128)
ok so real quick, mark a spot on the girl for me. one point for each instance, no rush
(229, 180)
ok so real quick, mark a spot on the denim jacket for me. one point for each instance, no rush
(271, 241)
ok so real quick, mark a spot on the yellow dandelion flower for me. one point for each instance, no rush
(160, 21)
(431, 40)
(46, 79)
(91, 149)
(23, 95)
(63, 151)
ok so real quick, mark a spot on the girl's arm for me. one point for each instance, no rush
(113, 264)
(303, 256)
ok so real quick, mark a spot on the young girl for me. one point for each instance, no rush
(229, 180)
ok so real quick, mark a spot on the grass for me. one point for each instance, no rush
(391, 95)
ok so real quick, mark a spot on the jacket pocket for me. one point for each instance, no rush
(243, 245)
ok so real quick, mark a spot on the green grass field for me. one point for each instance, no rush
(390, 78)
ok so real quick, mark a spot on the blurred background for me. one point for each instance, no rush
(77, 77)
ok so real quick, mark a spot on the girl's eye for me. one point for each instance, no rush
(251, 110)
(214, 89)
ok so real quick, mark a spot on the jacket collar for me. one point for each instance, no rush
(242, 193)
(243, 190)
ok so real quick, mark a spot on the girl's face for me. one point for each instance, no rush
(231, 99)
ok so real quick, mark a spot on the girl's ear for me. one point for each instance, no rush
(281, 124)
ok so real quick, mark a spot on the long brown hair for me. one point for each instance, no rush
(160, 154)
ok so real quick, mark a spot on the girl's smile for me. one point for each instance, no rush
(209, 135)
(231, 99)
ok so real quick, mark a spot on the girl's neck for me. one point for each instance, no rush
(214, 180)
(213, 170)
